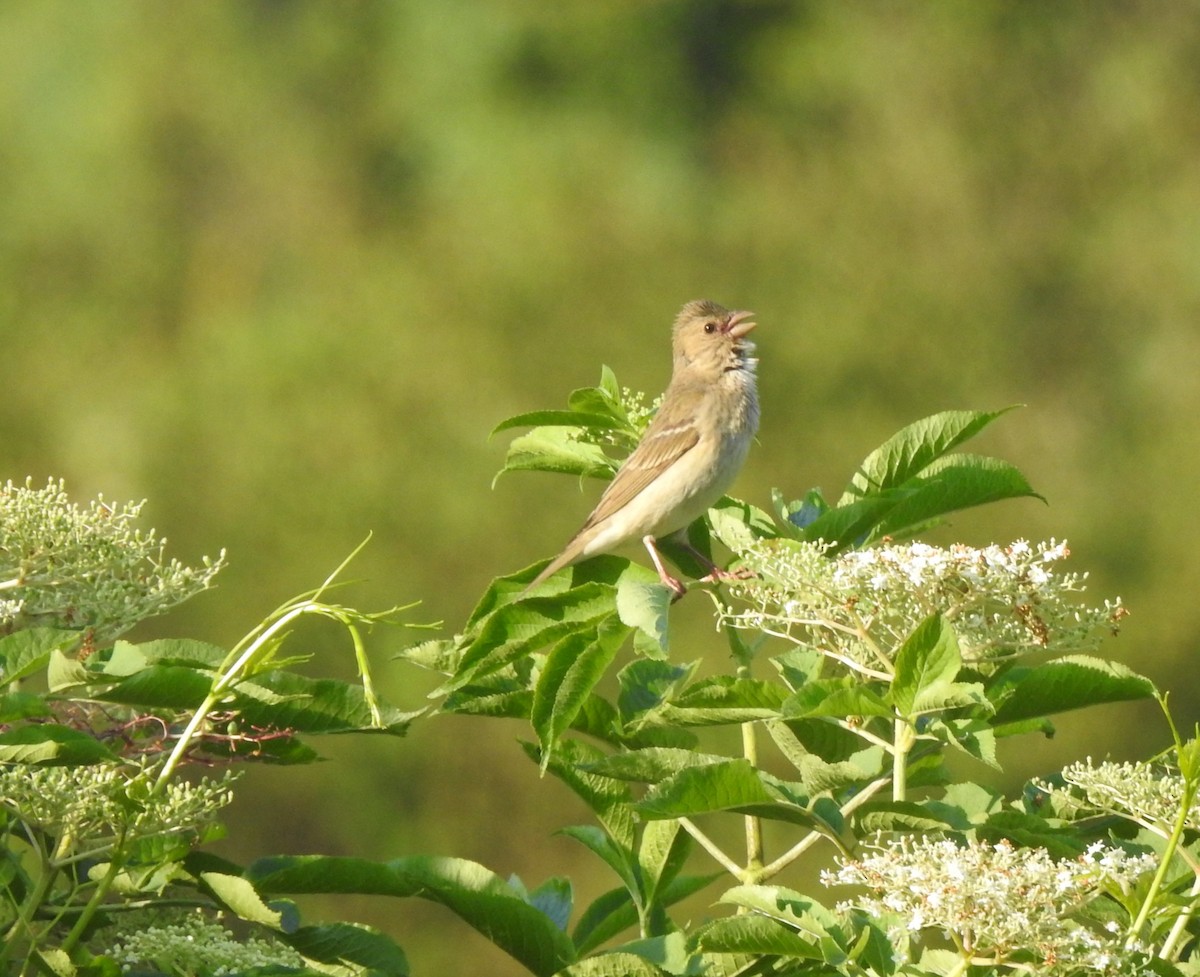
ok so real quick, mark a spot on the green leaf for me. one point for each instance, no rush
(652, 764)
(64, 672)
(909, 482)
(738, 524)
(661, 855)
(733, 785)
(914, 447)
(240, 897)
(620, 859)
(558, 450)
(818, 775)
(479, 897)
(709, 787)
(885, 815)
(51, 745)
(609, 800)
(795, 910)
(949, 485)
(516, 629)
(609, 914)
(646, 685)
(26, 652)
(852, 522)
(22, 705)
(642, 603)
(350, 945)
(308, 705)
(572, 670)
(596, 400)
(161, 686)
(839, 697)
(1066, 683)
(616, 963)
(973, 736)
(758, 935)
(127, 658)
(1028, 831)
(926, 665)
(558, 418)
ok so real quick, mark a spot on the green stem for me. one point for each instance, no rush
(93, 904)
(903, 738)
(754, 839)
(225, 678)
(710, 846)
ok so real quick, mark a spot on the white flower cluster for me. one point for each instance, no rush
(995, 901)
(71, 567)
(95, 806)
(1149, 794)
(191, 944)
(1001, 600)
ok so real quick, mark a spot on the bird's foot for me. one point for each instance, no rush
(674, 583)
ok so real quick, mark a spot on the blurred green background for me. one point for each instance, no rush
(279, 268)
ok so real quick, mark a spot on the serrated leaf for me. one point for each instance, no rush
(161, 686)
(555, 898)
(239, 896)
(349, 944)
(738, 524)
(794, 909)
(1066, 683)
(620, 859)
(646, 684)
(558, 418)
(571, 671)
(615, 963)
(758, 935)
(661, 854)
(950, 485)
(28, 651)
(558, 450)
(22, 705)
(652, 764)
(477, 896)
(929, 657)
(51, 745)
(642, 603)
(308, 705)
(515, 629)
(885, 815)
(840, 698)
(609, 800)
(914, 447)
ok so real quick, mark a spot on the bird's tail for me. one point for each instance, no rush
(566, 558)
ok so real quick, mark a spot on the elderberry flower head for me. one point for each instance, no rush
(184, 944)
(997, 901)
(1147, 793)
(100, 806)
(67, 566)
(1002, 601)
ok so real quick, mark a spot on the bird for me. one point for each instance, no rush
(690, 453)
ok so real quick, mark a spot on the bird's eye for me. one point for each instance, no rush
(710, 327)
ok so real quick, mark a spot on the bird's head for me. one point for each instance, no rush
(708, 336)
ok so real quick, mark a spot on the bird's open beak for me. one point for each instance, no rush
(739, 323)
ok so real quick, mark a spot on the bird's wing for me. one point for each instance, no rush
(658, 450)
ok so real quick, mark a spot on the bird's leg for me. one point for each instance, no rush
(666, 578)
(715, 573)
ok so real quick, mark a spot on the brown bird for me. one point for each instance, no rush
(692, 450)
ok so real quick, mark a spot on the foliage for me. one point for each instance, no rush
(859, 667)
